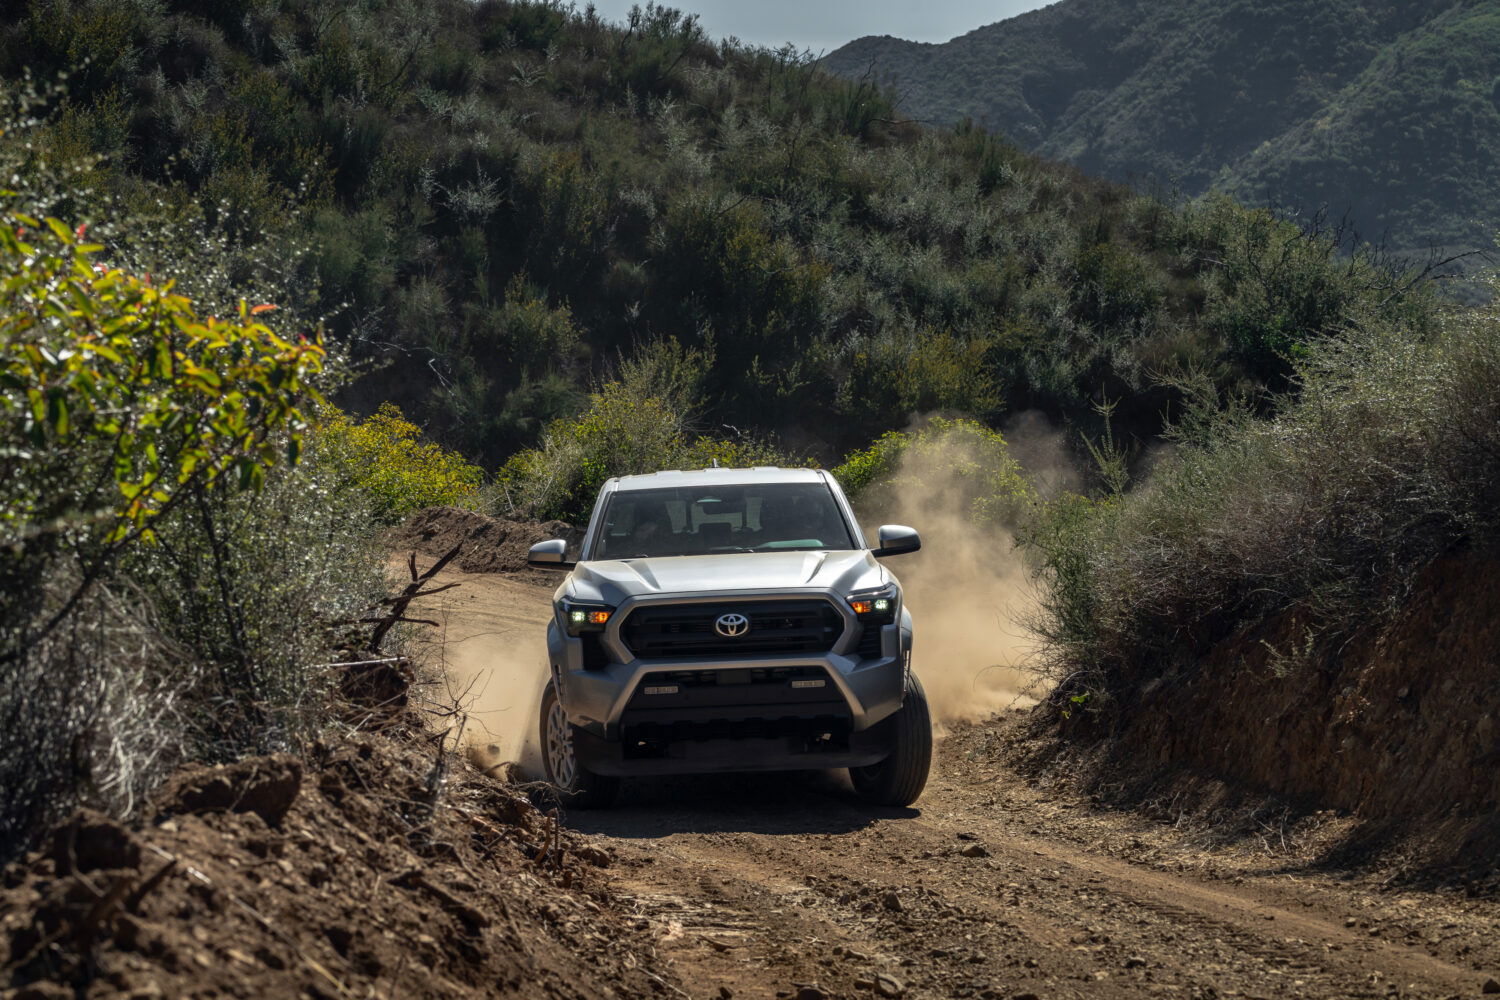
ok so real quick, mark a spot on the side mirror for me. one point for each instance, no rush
(896, 539)
(550, 554)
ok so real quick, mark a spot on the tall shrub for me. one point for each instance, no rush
(1387, 457)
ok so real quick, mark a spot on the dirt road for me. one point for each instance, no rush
(776, 885)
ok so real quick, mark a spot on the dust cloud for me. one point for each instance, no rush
(968, 588)
(488, 658)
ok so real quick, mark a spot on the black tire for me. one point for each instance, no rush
(899, 779)
(577, 787)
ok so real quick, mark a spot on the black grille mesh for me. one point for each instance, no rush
(802, 626)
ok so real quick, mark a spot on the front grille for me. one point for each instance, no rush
(805, 626)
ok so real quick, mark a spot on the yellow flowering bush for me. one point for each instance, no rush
(97, 364)
(387, 456)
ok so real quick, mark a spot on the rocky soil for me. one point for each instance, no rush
(490, 545)
(378, 865)
(996, 887)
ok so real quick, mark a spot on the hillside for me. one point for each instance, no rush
(496, 203)
(1384, 111)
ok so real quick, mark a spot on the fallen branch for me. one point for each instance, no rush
(415, 878)
(424, 593)
(413, 590)
(394, 661)
(145, 888)
(389, 619)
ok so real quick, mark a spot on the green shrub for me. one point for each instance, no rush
(972, 463)
(636, 424)
(1116, 287)
(1388, 456)
(1274, 288)
(386, 457)
(887, 380)
(167, 568)
(126, 422)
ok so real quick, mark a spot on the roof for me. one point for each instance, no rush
(717, 477)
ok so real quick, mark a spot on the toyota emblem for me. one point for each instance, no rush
(732, 625)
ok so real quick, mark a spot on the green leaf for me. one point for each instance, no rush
(57, 412)
(104, 351)
(59, 230)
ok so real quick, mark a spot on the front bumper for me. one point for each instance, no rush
(604, 700)
(712, 755)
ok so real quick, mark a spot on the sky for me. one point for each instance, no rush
(824, 25)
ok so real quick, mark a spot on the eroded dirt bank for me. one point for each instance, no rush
(1399, 725)
(378, 866)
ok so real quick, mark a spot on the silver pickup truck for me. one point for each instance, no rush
(730, 620)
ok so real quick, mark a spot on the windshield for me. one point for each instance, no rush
(759, 517)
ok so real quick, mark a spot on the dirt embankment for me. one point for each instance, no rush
(377, 866)
(1399, 726)
(489, 545)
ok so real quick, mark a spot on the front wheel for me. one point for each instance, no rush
(577, 787)
(899, 779)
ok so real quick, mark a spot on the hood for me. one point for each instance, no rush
(614, 581)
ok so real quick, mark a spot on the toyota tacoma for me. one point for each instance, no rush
(730, 620)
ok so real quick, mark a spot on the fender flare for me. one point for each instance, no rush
(907, 637)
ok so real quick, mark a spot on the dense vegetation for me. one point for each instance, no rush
(503, 200)
(1387, 111)
(184, 522)
(981, 481)
(1388, 457)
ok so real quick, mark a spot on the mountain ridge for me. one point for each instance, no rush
(1195, 96)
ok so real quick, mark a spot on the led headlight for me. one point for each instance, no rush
(876, 607)
(580, 618)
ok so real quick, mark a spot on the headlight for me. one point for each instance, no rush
(579, 618)
(876, 607)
